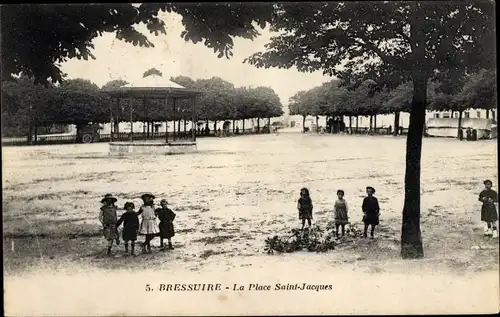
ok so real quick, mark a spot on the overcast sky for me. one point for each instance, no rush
(173, 56)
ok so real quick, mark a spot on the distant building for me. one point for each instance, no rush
(469, 113)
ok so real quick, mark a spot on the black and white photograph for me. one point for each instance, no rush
(249, 158)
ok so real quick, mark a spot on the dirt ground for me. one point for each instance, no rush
(235, 192)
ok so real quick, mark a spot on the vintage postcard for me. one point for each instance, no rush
(305, 158)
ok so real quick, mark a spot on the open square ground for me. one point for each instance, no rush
(235, 192)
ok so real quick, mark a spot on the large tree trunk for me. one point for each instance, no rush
(36, 134)
(116, 122)
(174, 134)
(258, 125)
(460, 114)
(79, 132)
(30, 134)
(396, 123)
(303, 124)
(350, 124)
(233, 125)
(243, 126)
(411, 238)
(371, 124)
(375, 123)
(179, 127)
(487, 113)
(357, 124)
(317, 123)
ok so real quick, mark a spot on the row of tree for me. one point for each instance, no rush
(332, 99)
(78, 101)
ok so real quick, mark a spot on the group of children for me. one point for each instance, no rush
(371, 210)
(159, 221)
(155, 222)
(370, 207)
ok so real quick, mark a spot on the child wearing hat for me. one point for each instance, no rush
(488, 210)
(108, 217)
(305, 207)
(166, 217)
(341, 218)
(371, 211)
(130, 222)
(149, 226)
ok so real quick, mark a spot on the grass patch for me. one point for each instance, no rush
(214, 240)
(208, 253)
(187, 230)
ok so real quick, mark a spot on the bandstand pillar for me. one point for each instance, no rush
(144, 124)
(111, 119)
(193, 119)
(166, 119)
(131, 120)
(174, 111)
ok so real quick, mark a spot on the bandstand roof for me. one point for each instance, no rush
(153, 87)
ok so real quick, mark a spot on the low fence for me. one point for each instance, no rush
(379, 131)
(124, 136)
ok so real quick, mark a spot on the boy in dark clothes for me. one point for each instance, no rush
(166, 217)
(305, 207)
(489, 211)
(371, 211)
(130, 222)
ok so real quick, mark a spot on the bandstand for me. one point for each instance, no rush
(153, 87)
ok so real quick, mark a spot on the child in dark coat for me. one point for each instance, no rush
(130, 222)
(371, 211)
(489, 211)
(305, 207)
(166, 217)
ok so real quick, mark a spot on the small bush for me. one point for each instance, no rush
(312, 240)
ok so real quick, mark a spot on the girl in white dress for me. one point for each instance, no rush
(149, 225)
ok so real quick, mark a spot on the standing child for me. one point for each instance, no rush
(489, 211)
(102, 202)
(107, 217)
(305, 207)
(166, 217)
(148, 227)
(341, 218)
(371, 211)
(130, 222)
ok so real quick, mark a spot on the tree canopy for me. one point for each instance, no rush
(67, 30)
(383, 41)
